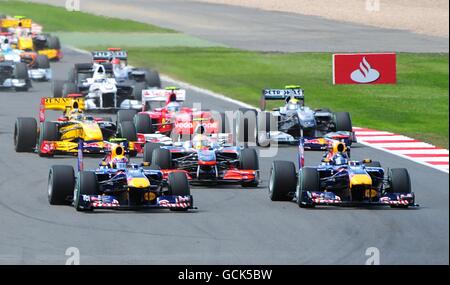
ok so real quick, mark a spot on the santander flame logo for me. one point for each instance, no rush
(365, 73)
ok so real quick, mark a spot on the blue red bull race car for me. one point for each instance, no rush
(339, 181)
(118, 184)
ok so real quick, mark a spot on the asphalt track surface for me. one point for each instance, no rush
(254, 29)
(231, 226)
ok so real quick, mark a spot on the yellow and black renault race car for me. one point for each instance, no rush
(25, 37)
(64, 135)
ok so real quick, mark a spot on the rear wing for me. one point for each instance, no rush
(14, 23)
(60, 104)
(107, 55)
(163, 95)
(280, 94)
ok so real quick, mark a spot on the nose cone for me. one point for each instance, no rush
(140, 182)
(360, 180)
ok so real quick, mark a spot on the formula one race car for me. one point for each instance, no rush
(338, 181)
(38, 65)
(25, 38)
(122, 72)
(295, 121)
(118, 184)
(14, 74)
(170, 118)
(63, 135)
(207, 159)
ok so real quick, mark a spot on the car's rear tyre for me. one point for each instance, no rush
(308, 180)
(148, 151)
(42, 61)
(137, 90)
(125, 116)
(248, 160)
(127, 130)
(57, 86)
(61, 184)
(343, 122)
(400, 181)
(282, 181)
(152, 78)
(162, 157)
(143, 124)
(245, 126)
(53, 42)
(87, 185)
(25, 134)
(69, 88)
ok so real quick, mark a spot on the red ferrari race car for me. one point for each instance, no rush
(170, 118)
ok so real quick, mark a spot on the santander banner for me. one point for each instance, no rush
(365, 68)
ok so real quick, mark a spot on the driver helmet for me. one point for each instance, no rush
(120, 163)
(76, 114)
(115, 61)
(200, 142)
(340, 159)
(293, 104)
(173, 107)
(5, 46)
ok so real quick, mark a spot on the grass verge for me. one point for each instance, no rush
(59, 19)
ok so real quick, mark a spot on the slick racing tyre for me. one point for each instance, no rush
(282, 181)
(308, 180)
(125, 115)
(21, 72)
(61, 184)
(162, 157)
(57, 86)
(400, 181)
(42, 61)
(343, 122)
(137, 90)
(248, 160)
(148, 151)
(53, 42)
(143, 124)
(152, 78)
(178, 184)
(25, 134)
(87, 185)
(127, 131)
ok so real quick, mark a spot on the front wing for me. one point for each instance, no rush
(311, 198)
(174, 202)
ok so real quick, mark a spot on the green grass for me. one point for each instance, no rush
(59, 19)
(417, 106)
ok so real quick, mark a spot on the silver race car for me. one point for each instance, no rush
(295, 121)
